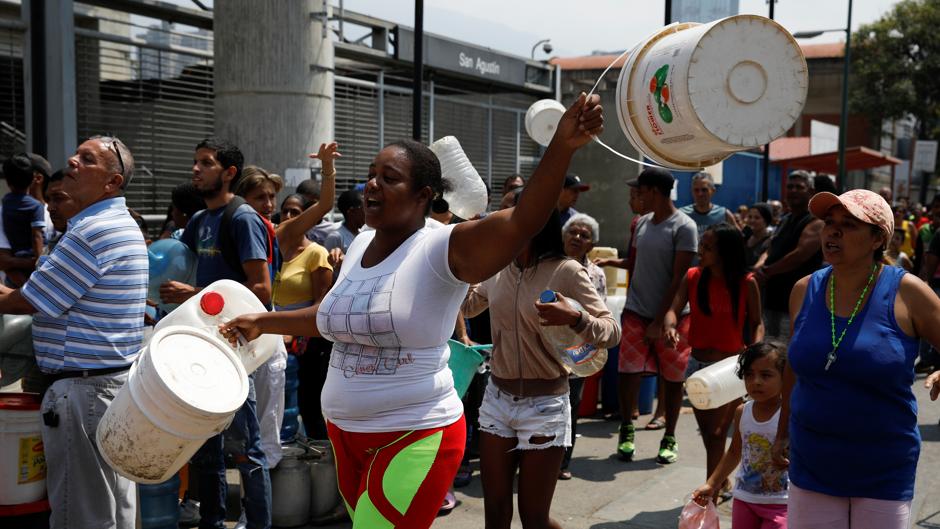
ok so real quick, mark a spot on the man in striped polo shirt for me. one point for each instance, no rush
(87, 298)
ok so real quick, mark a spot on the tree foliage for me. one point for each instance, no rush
(896, 66)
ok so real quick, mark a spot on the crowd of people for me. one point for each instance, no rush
(815, 297)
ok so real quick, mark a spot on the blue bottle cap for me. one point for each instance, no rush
(547, 296)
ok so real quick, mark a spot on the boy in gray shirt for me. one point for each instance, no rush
(666, 242)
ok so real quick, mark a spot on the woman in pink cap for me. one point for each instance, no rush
(849, 414)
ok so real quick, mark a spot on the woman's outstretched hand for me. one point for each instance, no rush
(581, 122)
(327, 154)
(246, 327)
(933, 384)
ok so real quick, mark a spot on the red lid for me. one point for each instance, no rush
(212, 303)
(23, 509)
(20, 401)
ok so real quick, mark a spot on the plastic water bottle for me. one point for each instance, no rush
(582, 358)
(716, 385)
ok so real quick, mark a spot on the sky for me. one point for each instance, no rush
(581, 27)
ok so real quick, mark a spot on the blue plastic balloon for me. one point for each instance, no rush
(170, 260)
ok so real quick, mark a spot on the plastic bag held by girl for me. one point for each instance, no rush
(694, 516)
(467, 196)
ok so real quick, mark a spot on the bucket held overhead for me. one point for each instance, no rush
(692, 94)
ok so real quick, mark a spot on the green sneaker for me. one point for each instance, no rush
(668, 450)
(625, 444)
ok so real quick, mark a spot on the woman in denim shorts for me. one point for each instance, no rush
(525, 418)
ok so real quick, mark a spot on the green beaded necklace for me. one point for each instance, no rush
(831, 357)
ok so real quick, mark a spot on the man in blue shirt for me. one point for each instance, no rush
(217, 166)
(87, 299)
(702, 210)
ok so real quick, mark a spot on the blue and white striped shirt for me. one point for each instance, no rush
(90, 292)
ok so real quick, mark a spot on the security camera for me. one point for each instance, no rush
(547, 47)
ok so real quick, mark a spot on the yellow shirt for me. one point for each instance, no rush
(908, 245)
(293, 286)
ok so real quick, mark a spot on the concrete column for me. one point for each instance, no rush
(274, 79)
(49, 62)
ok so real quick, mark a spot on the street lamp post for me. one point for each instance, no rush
(547, 46)
(765, 167)
(844, 117)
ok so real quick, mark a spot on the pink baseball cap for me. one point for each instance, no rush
(866, 206)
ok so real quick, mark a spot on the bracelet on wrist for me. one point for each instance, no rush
(329, 175)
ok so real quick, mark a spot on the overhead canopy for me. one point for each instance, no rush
(856, 159)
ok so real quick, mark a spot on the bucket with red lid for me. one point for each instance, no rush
(22, 460)
(219, 303)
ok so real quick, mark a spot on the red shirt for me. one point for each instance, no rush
(718, 331)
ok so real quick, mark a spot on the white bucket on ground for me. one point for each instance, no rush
(691, 95)
(184, 388)
(541, 120)
(22, 461)
(219, 303)
(716, 385)
(467, 197)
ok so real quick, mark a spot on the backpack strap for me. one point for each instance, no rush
(227, 244)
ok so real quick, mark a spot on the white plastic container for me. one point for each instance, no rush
(541, 120)
(467, 197)
(716, 385)
(220, 303)
(691, 95)
(581, 358)
(22, 462)
(184, 388)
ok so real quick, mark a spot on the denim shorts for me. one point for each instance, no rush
(696, 365)
(506, 415)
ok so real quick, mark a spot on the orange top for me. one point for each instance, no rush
(719, 331)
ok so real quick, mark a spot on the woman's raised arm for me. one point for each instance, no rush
(480, 248)
(290, 232)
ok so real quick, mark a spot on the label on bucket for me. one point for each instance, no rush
(31, 463)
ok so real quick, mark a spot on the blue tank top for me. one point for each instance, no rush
(853, 428)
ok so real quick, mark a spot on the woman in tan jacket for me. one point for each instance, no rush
(525, 418)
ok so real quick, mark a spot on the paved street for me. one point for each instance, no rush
(608, 494)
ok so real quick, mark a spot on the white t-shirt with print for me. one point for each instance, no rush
(389, 324)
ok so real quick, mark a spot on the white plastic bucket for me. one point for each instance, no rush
(716, 385)
(467, 195)
(691, 95)
(22, 461)
(219, 303)
(541, 120)
(184, 388)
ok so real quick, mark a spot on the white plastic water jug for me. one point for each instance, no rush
(716, 385)
(22, 460)
(581, 358)
(184, 388)
(541, 120)
(692, 94)
(219, 303)
(467, 197)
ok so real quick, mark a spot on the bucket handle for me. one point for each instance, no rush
(596, 138)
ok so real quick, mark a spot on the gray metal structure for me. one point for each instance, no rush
(145, 70)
